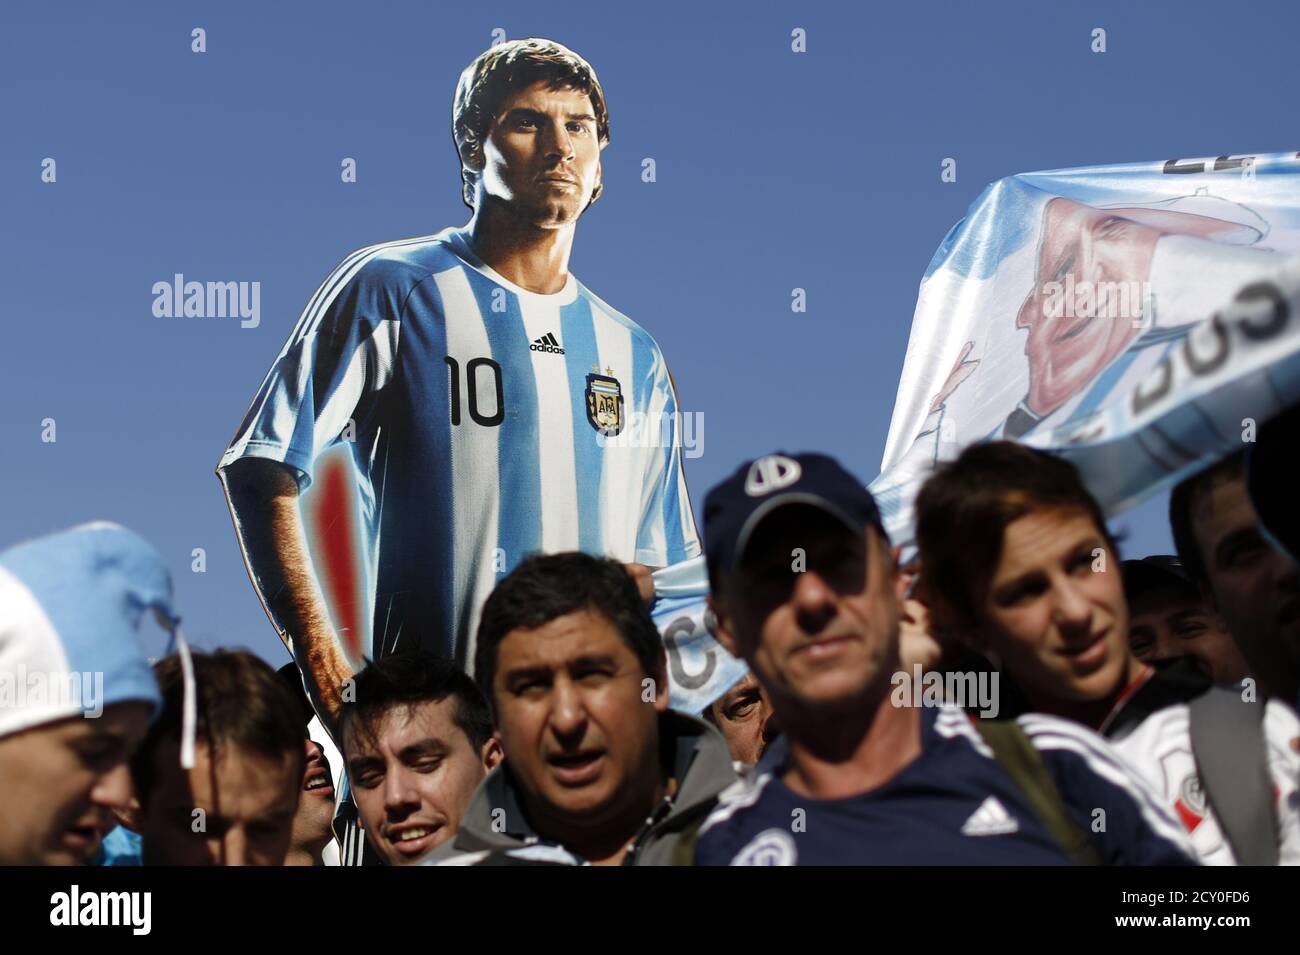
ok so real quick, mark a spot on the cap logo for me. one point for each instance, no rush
(771, 474)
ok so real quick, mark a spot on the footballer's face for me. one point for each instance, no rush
(542, 155)
(61, 781)
(1054, 612)
(813, 608)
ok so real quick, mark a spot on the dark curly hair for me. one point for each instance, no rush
(545, 587)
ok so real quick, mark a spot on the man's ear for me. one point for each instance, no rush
(902, 582)
(471, 154)
(491, 753)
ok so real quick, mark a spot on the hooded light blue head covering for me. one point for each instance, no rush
(70, 609)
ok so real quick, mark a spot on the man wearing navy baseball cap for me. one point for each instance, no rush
(806, 590)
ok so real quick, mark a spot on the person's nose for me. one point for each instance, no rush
(398, 792)
(234, 847)
(114, 788)
(1285, 571)
(568, 712)
(1073, 611)
(313, 751)
(558, 144)
(815, 601)
(769, 729)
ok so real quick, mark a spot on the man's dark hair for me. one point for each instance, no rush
(291, 677)
(546, 587)
(1186, 498)
(241, 702)
(964, 509)
(409, 679)
(510, 66)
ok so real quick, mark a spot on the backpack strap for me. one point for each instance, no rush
(1228, 746)
(1021, 760)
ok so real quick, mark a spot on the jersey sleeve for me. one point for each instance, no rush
(1128, 823)
(324, 385)
(666, 533)
(1281, 729)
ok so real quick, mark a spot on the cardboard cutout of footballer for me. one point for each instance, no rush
(478, 393)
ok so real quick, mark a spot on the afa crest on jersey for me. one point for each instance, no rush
(605, 403)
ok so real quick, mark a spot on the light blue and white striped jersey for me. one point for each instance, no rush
(486, 422)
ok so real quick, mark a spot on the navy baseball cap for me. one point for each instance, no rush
(1159, 571)
(734, 508)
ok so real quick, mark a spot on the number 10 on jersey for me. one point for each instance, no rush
(472, 369)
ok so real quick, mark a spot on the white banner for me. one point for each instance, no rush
(1139, 318)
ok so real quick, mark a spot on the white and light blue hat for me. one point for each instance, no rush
(70, 609)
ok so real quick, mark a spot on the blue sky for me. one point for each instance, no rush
(775, 170)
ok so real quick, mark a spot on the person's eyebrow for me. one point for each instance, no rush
(1242, 535)
(526, 673)
(528, 112)
(275, 815)
(431, 746)
(1010, 587)
(749, 693)
(100, 735)
(1186, 616)
(357, 763)
(592, 660)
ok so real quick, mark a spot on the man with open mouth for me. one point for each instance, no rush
(597, 769)
(313, 822)
(417, 740)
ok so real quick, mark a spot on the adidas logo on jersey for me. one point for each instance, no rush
(548, 343)
(990, 819)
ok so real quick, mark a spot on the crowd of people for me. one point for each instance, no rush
(1004, 689)
(1144, 711)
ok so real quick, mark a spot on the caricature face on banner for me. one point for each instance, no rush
(1108, 248)
(1061, 292)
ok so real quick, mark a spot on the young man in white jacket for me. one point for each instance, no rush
(1017, 559)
